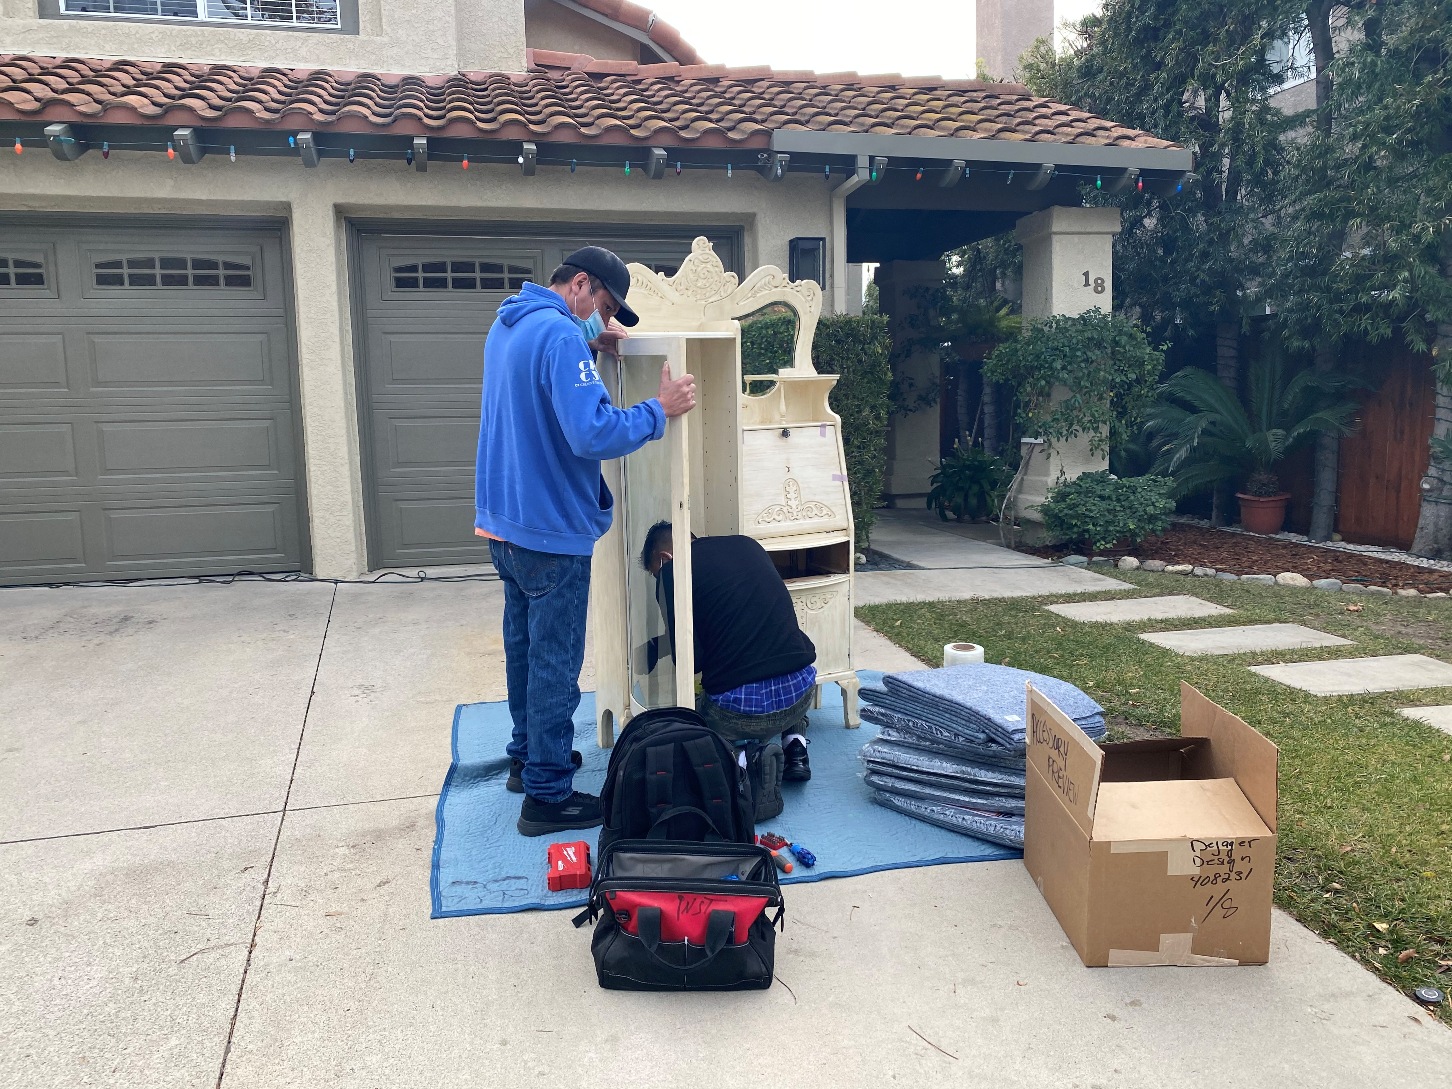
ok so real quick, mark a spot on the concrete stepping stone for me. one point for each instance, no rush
(1440, 717)
(1351, 676)
(1126, 610)
(1244, 640)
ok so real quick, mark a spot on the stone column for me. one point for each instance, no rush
(912, 440)
(329, 390)
(1068, 268)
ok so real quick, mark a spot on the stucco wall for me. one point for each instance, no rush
(424, 36)
(551, 26)
(316, 204)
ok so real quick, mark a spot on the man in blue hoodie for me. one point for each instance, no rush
(546, 423)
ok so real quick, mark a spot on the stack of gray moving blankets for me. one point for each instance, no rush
(951, 746)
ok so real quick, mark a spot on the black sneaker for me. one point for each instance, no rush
(538, 818)
(797, 768)
(515, 784)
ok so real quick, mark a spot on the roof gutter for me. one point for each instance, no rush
(840, 194)
(975, 150)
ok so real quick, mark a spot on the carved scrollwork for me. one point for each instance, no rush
(812, 603)
(703, 291)
(793, 509)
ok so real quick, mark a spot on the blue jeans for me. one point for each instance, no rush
(546, 600)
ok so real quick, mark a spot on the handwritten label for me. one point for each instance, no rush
(1056, 760)
(1221, 861)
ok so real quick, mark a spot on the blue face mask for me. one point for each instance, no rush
(591, 327)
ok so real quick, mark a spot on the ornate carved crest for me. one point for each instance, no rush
(703, 291)
(793, 509)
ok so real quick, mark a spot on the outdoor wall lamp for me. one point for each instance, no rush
(807, 260)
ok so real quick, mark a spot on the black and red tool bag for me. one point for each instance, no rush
(684, 916)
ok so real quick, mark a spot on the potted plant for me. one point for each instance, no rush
(1263, 504)
(968, 484)
(1205, 435)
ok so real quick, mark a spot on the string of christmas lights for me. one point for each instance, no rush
(877, 169)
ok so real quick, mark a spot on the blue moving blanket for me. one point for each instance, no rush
(990, 698)
(482, 865)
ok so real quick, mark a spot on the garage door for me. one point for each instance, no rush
(428, 301)
(147, 409)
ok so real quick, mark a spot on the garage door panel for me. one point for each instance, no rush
(162, 363)
(157, 534)
(415, 362)
(32, 363)
(424, 529)
(413, 444)
(147, 418)
(229, 446)
(50, 541)
(33, 451)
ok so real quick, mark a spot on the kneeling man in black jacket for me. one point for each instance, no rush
(756, 664)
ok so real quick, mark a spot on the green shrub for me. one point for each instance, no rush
(968, 484)
(1098, 510)
(859, 351)
(1101, 364)
(768, 342)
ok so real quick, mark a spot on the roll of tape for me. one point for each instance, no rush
(962, 654)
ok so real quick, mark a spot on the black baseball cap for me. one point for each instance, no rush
(610, 271)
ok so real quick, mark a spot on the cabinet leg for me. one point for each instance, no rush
(817, 698)
(605, 732)
(851, 719)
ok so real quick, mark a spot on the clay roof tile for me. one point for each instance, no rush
(562, 94)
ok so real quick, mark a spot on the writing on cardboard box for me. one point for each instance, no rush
(1056, 760)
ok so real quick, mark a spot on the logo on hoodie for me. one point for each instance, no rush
(588, 374)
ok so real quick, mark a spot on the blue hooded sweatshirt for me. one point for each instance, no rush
(546, 423)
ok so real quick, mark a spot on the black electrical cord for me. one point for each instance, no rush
(393, 578)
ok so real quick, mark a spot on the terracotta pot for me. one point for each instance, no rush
(1263, 513)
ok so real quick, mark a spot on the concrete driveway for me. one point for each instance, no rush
(217, 818)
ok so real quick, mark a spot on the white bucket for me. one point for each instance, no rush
(962, 654)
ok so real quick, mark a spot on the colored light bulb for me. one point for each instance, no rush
(170, 151)
(572, 166)
(352, 155)
(232, 152)
(105, 150)
(465, 163)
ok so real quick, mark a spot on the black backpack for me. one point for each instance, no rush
(673, 777)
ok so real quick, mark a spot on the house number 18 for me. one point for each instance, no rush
(1097, 283)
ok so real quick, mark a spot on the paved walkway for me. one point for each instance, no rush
(214, 864)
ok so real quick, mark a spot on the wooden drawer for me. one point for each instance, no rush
(824, 612)
(792, 481)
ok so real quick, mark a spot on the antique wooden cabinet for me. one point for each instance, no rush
(760, 456)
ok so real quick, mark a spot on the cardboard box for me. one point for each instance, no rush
(1154, 852)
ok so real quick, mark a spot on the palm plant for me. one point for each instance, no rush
(1205, 436)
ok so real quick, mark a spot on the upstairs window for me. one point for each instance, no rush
(304, 13)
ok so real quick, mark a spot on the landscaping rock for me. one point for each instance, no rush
(1203, 572)
(1352, 588)
(1408, 593)
(1101, 561)
(1382, 590)
(1439, 593)
(1227, 576)
(1075, 561)
(1291, 578)
(1326, 584)
(1178, 569)
(1264, 580)
(1153, 565)
(1128, 563)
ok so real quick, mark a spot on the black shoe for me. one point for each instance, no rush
(538, 818)
(798, 768)
(515, 784)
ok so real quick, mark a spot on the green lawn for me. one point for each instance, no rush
(1365, 794)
